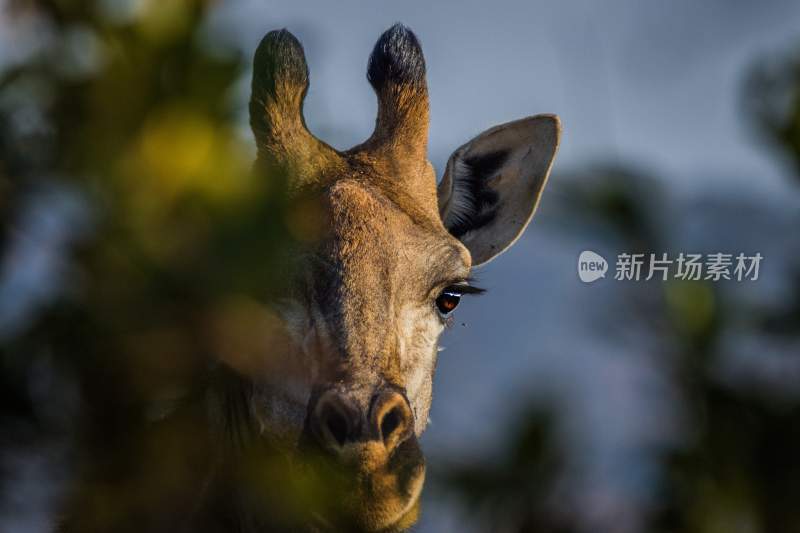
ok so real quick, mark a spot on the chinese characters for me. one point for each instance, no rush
(711, 267)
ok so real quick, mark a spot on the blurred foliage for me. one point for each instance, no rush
(772, 99)
(737, 469)
(623, 201)
(517, 492)
(129, 114)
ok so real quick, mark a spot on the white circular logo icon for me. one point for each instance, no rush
(591, 266)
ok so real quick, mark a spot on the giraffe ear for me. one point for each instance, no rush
(493, 183)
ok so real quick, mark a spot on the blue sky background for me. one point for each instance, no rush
(649, 82)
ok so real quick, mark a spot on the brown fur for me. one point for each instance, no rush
(362, 314)
(354, 341)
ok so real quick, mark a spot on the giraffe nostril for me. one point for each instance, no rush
(333, 420)
(390, 423)
(392, 419)
(337, 426)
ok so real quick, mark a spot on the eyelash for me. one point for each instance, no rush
(453, 291)
(464, 287)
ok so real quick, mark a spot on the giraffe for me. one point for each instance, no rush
(375, 292)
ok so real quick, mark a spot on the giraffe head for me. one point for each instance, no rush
(371, 296)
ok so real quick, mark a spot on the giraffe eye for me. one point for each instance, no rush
(448, 300)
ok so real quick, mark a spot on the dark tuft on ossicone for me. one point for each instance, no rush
(397, 57)
(279, 57)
